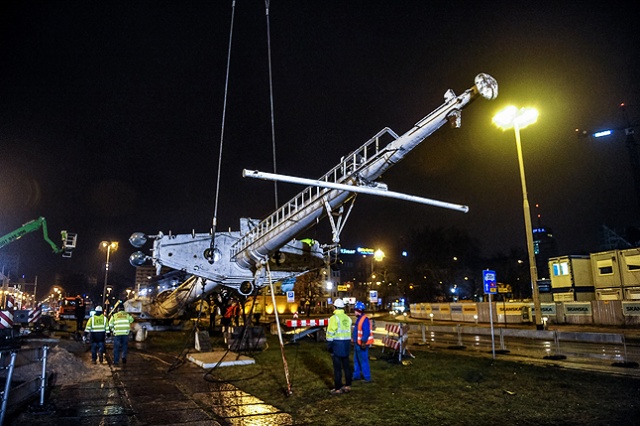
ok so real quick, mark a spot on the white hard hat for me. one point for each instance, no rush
(98, 308)
(339, 303)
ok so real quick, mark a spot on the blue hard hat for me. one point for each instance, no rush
(359, 306)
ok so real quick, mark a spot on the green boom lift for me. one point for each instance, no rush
(68, 239)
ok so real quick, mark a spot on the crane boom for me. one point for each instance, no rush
(239, 259)
(361, 167)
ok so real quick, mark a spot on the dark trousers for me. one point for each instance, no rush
(97, 348)
(340, 366)
(120, 347)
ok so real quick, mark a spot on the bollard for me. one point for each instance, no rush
(7, 387)
(140, 332)
(43, 378)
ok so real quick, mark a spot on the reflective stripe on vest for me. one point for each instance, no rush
(121, 323)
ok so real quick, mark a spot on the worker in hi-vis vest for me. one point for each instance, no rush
(120, 325)
(362, 337)
(97, 329)
(339, 346)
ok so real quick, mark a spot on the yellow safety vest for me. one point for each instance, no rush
(96, 323)
(120, 323)
(339, 327)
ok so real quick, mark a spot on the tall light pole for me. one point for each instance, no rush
(108, 245)
(512, 117)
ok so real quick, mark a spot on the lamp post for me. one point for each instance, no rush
(108, 245)
(512, 117)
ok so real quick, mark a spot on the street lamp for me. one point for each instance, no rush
(108, 245)
(512, 117)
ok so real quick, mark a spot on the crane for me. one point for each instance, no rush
(267, 250)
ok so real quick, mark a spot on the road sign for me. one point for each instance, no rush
(291, 296)
(490, 284)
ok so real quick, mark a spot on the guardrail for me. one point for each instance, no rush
(19, 384)
(548, 344)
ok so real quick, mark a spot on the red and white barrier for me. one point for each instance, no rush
(391, 342)
(35, 314)
(399, 329)
(6, 319)
(396, 339)
(10, 303)
(308, 323)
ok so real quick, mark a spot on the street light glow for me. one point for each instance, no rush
(108, 245)
(378, 255)
(511, 117)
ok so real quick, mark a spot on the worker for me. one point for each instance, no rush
(339, 346)
(257, 312)
(227, 317)
(79, 314)
(96, 328)
(236, 313)
(362, 338)
(120, 325)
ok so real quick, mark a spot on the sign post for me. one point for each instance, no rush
(490, 287)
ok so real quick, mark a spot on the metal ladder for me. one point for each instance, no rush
(341, 173)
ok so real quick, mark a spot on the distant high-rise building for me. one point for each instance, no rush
(545, 247)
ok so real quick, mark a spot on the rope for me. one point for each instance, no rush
(275, 312)
(214, 220)
(273, 130)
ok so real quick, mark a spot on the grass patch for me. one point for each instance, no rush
(436, 387)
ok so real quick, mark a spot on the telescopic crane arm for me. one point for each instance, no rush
(240, 259)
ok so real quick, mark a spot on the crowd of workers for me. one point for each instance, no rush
(341, 334)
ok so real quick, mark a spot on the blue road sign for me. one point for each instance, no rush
(490, 284)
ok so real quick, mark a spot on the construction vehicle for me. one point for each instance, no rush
(68, 239)
(267, 251)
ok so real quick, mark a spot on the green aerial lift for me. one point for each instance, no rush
(68, 239)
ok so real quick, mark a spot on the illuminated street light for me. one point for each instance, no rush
(512, 117)
(108, 245)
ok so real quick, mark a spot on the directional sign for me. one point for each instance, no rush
(490, 284)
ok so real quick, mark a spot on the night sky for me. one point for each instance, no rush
(111, 116)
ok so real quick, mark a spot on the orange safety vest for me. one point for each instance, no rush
(229, 312)
(359, 322)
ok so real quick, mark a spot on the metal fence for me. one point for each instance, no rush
(20, 383)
